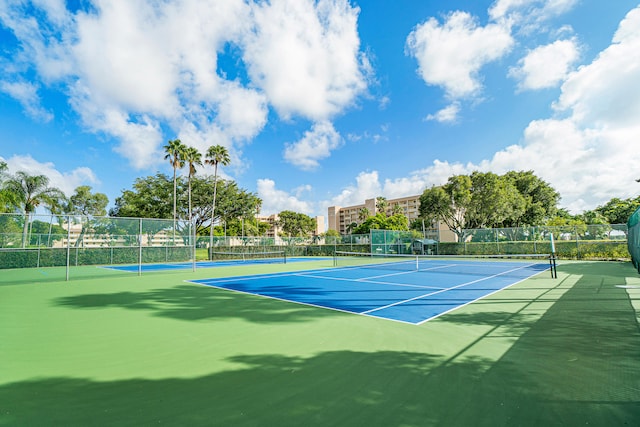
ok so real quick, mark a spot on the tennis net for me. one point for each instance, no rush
(270, 257)
(484, 265)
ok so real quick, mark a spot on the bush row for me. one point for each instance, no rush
(52, 257)
(590, 250)
(57, 257)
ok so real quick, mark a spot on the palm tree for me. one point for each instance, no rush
(216, 154)
(174, 152)
(351, 227)
(30, 191)
(193, 158)
(6, 197)
(363, 214)
(381, 204)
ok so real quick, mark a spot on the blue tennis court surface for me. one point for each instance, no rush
(205, 264)
(412, 296)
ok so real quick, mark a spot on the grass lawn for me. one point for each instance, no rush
(112, 348)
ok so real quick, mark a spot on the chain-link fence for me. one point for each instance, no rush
(602, 241)
(300, 246)
(74, 240)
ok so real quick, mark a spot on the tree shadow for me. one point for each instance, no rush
(580, 357)
(197, 303)
(577, 363)
(341, 388)
(49, 275)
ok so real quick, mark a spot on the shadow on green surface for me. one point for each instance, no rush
(333, 388)
(193, 302)
(576, 364)
(47, 275)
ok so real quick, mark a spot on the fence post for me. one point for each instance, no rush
(38, 262)
(192, 227)
(140, 247)
(68, 245)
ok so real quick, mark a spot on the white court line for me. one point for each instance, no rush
(366, 280)
(446, 290)
(477, 299)
(292, 301)
(211, 283)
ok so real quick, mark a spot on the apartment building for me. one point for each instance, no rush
(274, 229)
(161, 238)
(340, 217)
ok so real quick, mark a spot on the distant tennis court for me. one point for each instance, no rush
(207, 264)
(404, 289)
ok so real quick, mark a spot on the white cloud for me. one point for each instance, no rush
(529, 12)
(367, 187)
(448, 114)
(306, 47)
(589, 157)
(65, 181)
(27, 95)
(451, 55)
(316, 144)
(138, 69)
(139, 59)
(546, 66)
(275, 200)
(43, 43)
(606, 92)
(138, 139)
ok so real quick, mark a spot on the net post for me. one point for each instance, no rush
(552, 258)
(552, 266)
(284, 256)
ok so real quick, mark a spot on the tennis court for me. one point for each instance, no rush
(205, 264)
(405, 289)
(115, 348)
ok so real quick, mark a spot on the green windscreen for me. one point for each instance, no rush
(633, 238)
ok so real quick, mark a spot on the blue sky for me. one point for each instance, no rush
(325, 102)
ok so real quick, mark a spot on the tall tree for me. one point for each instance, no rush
(84, 202)
(494, 201)
(193, 158)
(215, 155)
(448, 203)
(541, 200)
(618, 211)
(174, 152)
(294, 224)
(381, 221)
(149, 198)
(29, 192)
(484, 199)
